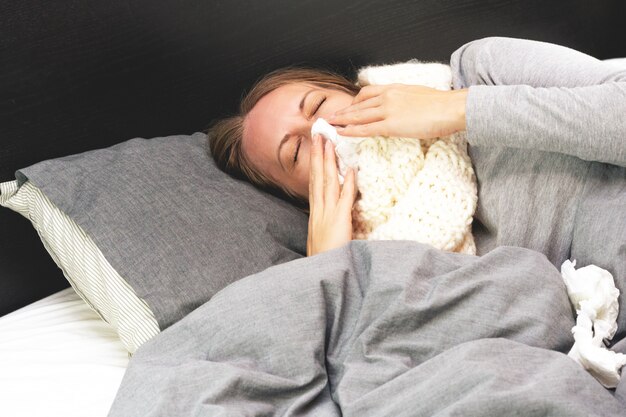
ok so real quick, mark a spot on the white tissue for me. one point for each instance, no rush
(593, 294)
(346, 147)
(324, 128)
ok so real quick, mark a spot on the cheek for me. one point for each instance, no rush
(334, 103)
(342, 101)
(302, 173)
(305, 164)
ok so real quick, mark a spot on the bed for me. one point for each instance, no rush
(58, 350)
(91, 76)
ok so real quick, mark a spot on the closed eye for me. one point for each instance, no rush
(319, 105)
(295, 155)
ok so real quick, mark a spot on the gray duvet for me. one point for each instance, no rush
(380, 328)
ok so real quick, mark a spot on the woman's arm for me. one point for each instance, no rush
(537, 95)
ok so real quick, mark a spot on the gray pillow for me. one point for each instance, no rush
(172, 226)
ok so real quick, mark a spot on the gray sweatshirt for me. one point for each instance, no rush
(546, 128)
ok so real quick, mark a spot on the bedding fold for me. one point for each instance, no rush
(374, 328)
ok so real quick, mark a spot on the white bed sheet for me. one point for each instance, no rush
(58, 358)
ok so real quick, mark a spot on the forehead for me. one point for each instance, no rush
(284, 98)
(269, 120)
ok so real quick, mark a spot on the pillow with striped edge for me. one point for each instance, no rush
(84, 265)
(148, 230)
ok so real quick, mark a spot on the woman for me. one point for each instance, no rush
(247, 145)
(537, 116)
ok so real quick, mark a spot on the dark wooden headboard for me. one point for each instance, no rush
(77, 75)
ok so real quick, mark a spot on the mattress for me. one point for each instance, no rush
(58, 358)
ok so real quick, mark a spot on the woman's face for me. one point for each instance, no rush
(277, 131)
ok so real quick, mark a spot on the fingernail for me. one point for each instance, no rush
(328, 145)
(332, 116)
(316, 138)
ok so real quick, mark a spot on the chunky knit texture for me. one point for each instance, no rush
(410, 189)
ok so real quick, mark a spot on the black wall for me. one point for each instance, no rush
(86, 74)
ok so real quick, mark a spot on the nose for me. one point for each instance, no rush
(308, 127)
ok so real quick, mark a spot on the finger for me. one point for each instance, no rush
(370, 102)
(369, 91)
(378, 128)
(359, 117)
(331, 180)
(316, 172)
(349, 191)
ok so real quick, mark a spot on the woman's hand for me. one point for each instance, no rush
(330, 217)
(410, 111)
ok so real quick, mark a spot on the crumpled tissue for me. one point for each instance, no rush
(345, 149)
(593, 294)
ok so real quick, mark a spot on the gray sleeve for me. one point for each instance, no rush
(537, 95)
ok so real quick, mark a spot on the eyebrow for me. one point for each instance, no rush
(288, 136)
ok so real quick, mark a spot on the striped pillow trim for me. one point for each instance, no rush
(84, 265)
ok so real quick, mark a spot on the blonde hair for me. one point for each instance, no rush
(225, 135)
